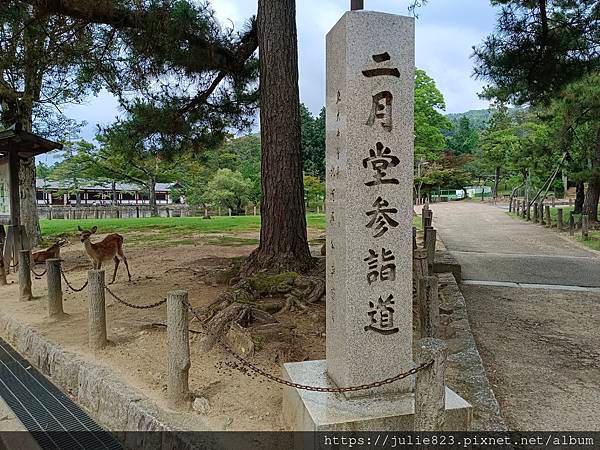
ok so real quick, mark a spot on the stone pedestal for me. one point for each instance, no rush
(316, 411)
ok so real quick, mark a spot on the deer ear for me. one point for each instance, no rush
(79, 228)
(94, 229)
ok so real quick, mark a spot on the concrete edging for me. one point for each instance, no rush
(108, 399)
(466, 372)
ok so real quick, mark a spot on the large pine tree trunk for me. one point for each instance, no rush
(592, 196)
(283, 240)
(152, 197)
(579, 197)
(29, 212)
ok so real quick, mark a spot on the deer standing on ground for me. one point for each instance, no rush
(108, 248)
(53, 251)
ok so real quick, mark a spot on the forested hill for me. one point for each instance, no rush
(477, 117)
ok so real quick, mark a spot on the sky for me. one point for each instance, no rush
(446, 31)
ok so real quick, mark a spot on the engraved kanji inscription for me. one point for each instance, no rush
(381, 219)
(381, 315)
(380, 267)
(382, 110)
(381, 159)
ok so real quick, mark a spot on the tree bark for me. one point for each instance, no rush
(283, 238)
(592, 196)
(114, 193)
(152, 197)
(579, 197)
(496, 182)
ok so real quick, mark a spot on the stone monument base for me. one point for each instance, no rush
(319, 411)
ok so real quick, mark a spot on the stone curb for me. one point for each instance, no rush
(109, 400)
(466, 373)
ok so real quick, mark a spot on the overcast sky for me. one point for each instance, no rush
(446, 30)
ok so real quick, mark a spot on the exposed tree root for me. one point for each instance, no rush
(257, 300)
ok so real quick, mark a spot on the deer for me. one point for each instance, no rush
(40, 257)
(108, 248)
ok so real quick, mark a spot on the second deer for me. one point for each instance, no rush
(108, 248)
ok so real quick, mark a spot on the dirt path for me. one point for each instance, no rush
(541, 348)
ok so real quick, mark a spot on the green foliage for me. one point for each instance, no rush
(43, 170)
(314, 191)
(73, 170)
(538, 48)
(465, 138)
(430, 123)
(313, 142)
(228, 189)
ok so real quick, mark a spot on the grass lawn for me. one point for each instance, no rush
(52, 229)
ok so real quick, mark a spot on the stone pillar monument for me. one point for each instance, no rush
(369, 164)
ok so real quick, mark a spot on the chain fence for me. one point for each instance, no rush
(38, 274)
(70, 286)
(131, 305)
(253, 367)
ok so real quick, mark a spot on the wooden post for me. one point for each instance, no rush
(518, 207)
(25, 294)
(559, 219)
(529, 212)
(50, 212)
(585, 225)
(178, 350)
(570, 202)
(255, 210)
(429, 306)
(571, 223)
(430, 247)
(535, 213)
(414, 238)
(229, 212)
(420, 264)
(430, 389)
(510, 205)
(2, 267)
(55, 295)
(96, 214)
(553, 201)
(542, 220)
(548, 216)
(96, 310)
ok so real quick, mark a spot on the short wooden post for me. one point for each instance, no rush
(420, 264)
(430, 247)
(518, 206)
(55, 295)
(25, 294)
(137, 212)
(529, 211)
(255, 210)
(535, 213)
(570, 202)
(585, 225)
(96, 215)
(414, 229)
(229, 211)
(50, 212)
(571, 223)
(430, 389)
(2, 268)
(548, 216)
(96, 310)
(542, 220)
(510, 205)
(178, 350)
(559, 219)
(553, 201)
(429, 306)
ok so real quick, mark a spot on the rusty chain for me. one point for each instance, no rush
(39, 275)
(131, 305)
(62, 272)
(304, 387)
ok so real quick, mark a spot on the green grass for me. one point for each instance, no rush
(172, 226)
(417, 222)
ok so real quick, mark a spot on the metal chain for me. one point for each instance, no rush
(304, 387)
(13, 266)
(62, 272)
(38, 274)
(131, 305)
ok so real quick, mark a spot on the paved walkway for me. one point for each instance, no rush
(492, 246)
(540, 347)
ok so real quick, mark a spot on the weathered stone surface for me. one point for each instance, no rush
(445, 262)
(370, 84)
(201, 405)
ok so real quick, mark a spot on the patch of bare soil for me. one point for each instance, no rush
(239, 400)
(541, 350)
